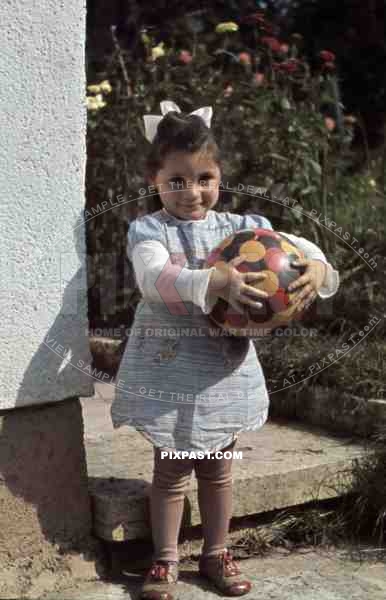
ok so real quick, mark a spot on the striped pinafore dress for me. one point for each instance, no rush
(180, 384)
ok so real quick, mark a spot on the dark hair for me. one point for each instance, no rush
(180, 132)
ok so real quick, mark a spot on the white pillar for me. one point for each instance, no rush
(44, 350)
(43, 294)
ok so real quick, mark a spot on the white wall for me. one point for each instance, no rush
(43, 301)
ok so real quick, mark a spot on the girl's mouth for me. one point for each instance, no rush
(195, 211)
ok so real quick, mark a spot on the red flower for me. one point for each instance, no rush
(271, 42)
(185, 57)
(288, 66)
(327, 56)
(252, 19)
(284, 48)
(245, 58)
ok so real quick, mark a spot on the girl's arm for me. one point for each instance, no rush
(160, 280)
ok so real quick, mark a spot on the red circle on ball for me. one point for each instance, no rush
(276, 260)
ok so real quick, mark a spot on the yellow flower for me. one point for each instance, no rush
(95, 102)
(105, 86)
(100, 101)
(227, 27)
(94, 89)
(157, 51)
(91, 103)
(372, 183)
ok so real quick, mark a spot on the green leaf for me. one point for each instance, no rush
(325, 98)
(315, 165)
(302, 144)
(277, 156)
(285, 104)
(308, 190)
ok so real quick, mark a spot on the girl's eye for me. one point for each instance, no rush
(206, 177)
(177, 180)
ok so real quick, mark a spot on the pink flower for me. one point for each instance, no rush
(258, 78)
(245, 58)
(284, 48)
(329, 123)
(185, 57)
(271, 42)
(327, 56)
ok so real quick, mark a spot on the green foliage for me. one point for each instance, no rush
(266, 103)
(356, 201)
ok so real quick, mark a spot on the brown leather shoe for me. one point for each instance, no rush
(160, 581)
(225, 573)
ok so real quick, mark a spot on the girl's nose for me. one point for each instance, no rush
(193, 192)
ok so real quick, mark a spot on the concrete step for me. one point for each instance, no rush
(283, 465)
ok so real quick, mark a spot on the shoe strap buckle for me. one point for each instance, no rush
(159, 571)
(230, 567)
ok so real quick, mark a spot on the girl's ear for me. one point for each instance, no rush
(150, 179)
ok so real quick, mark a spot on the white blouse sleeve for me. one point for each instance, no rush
(313, 252)
(160, 280)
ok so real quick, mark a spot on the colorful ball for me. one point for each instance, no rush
(268, 252)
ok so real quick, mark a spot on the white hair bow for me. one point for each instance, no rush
(152, 121)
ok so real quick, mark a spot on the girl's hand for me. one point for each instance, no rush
(310, 282)
(230, 284)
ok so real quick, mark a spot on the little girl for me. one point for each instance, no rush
(185, 388)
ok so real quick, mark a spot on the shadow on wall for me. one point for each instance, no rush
(55, 371)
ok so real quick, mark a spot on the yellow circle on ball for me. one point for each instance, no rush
(253, 249)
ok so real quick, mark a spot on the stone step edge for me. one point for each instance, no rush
(121, 518)
(137, 554)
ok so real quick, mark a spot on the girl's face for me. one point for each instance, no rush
(188, 184)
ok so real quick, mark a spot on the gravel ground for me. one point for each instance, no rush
(306, 574)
